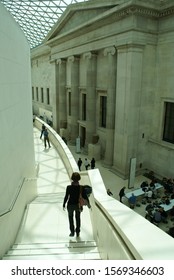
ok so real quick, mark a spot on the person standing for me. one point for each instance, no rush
(72, 199)
(92, 163)
(46, 138)
(79, 163)
(122, 193)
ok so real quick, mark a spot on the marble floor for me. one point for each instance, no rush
(115, 183)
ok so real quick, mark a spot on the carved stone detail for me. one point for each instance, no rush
(110, 50)
(89, 55)
(148, 12)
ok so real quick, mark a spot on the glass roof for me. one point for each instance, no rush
(36, 18)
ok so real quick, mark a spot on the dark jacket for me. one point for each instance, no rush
(122, 193)
(72, 194)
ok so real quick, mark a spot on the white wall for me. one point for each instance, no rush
(16, 128)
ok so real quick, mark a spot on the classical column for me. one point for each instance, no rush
(55, 102)
(73, 64)
(62, 109)
(91, 65)
(111, 93)
(127, 106)
(59, 96)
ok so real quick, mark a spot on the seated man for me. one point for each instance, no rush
(156, 216)
(144, 185)
(149, 212)
(132, 201)
(163, 215)
(148, 195)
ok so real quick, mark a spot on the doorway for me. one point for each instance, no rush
(82, 136)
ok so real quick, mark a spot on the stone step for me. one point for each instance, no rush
(72, 250)
(49, 198)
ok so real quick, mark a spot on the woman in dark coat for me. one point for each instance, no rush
(72, 199)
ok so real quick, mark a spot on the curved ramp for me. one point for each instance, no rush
(44, 231)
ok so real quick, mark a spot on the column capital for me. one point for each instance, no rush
(60, 61)
(110, 50)
(73, 58)
(89, 55)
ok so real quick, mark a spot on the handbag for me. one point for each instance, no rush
(82, 201)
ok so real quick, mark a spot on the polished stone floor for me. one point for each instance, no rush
(115, 183)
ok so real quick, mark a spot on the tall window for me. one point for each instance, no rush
(33, 93)
(37, 94)
(168, 134)
(103, 112)
(84, 107)
(48, 96)
(42, 95)
(69, 103)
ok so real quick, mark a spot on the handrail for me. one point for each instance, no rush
(132, 257)
(16, 197)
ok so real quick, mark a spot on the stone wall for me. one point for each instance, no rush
(123, 53)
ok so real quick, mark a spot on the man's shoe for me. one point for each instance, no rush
(71, 234)
(77, 234)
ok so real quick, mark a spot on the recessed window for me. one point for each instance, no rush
(42, 95)
(33, 93)
(168, 133)
(103, 111)
(84, 107)
(48, 96)
(37, 94)
(69, 103)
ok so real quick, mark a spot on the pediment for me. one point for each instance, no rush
(77, 15)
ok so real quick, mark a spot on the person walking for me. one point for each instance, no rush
(122, 193)
(46, 138)
(109, 192)
(86, 163)
(79, 163)
(92, 163)
(42, 130)
(72, 199)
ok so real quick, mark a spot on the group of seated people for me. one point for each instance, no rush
(168, 185)
(155, 213)
(149, 189)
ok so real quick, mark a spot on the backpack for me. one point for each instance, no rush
(87, 190)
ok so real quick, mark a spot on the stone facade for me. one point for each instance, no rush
(108, 66)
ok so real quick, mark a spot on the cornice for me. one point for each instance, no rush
(144, 11)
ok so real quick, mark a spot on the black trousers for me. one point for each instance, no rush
(71, 210)
(46, 140)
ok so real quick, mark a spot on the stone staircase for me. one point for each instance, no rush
(80, 250)
(44, 234)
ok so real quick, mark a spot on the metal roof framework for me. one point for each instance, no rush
(37, 17)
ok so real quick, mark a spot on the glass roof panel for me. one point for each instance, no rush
(37, 17)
